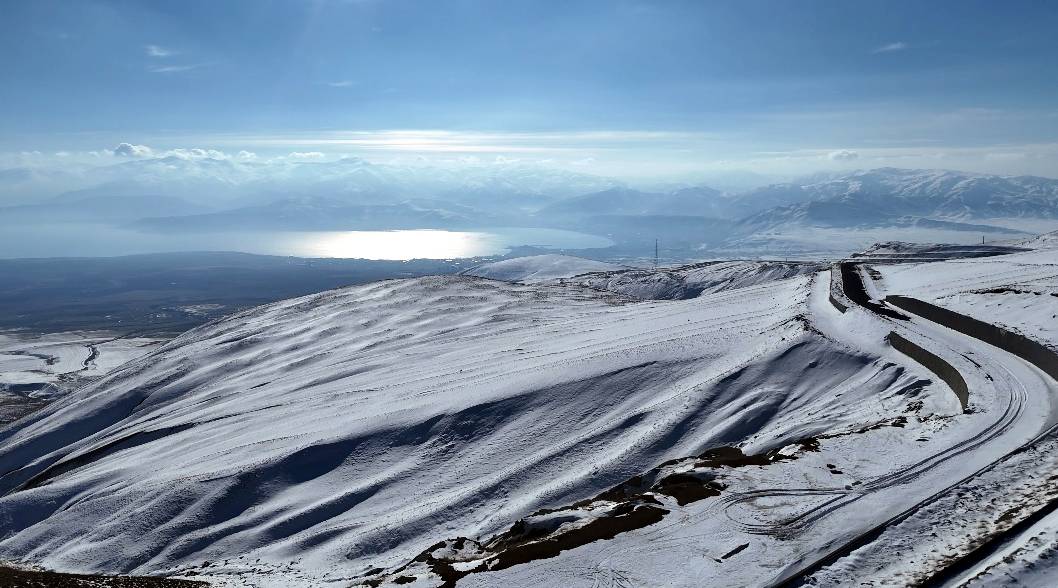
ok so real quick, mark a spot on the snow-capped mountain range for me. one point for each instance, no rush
(824, 212)
(884, 196)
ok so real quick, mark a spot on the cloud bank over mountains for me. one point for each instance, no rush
(243, 177)
(642, 159)
(188, 191)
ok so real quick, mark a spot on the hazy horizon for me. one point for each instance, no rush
(157, 124)
(636, 90)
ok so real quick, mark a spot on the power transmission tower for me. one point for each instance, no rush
(655, 254)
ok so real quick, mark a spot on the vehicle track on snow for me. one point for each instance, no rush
(841, 496)
(834, 499)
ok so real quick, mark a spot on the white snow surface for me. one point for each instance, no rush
(35, 368)
(688, 281)
(310, 440)
(71, 356)
(538, 268)
(355, 427)
(1044, 241)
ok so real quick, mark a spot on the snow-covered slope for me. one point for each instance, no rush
(363, 435)
(1044, 241)
(353, 428)
(537, 268)
(688, 281)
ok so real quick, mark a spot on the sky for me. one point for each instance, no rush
(621, 88)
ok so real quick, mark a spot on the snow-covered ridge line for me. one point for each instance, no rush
(327, 366)
(538, 268)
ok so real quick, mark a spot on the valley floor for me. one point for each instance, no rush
(37, 368)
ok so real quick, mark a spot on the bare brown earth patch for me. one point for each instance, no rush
(632, 504)
(15, 578)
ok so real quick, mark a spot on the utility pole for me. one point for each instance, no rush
(655, 253)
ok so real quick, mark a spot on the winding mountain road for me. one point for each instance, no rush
(1018, 390)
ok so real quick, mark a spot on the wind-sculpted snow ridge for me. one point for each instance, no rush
(457, 430)
(689, 281)
(327, 436)
(705, 523)
(538, 268)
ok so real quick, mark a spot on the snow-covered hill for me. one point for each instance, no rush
(1044, 241)
(36, 368)
(430, 430)
(352, 429)
(689, 281)
(538, 268)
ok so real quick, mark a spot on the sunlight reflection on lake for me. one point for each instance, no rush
(431, 244)
(85, 240)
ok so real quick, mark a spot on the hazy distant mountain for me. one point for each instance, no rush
(494, 190)
(231, 182)
(319, 213)
(701, 201)
(98, 208)
(899, 197)
(682, 218)
(765, 198)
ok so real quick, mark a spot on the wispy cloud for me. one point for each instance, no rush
(175, 68)
(843, 155)
(306, 155)
(897, 46)
(158, 51)
(341, 84)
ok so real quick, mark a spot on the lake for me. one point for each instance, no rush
(82, 240)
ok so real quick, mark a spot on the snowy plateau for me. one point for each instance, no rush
(551, 421)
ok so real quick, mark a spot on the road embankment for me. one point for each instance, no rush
(934, 363)
(852, 285)
(1027, 349)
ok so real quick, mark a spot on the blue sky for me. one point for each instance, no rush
(632, 87)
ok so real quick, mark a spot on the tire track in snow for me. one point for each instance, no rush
(1014, 408)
